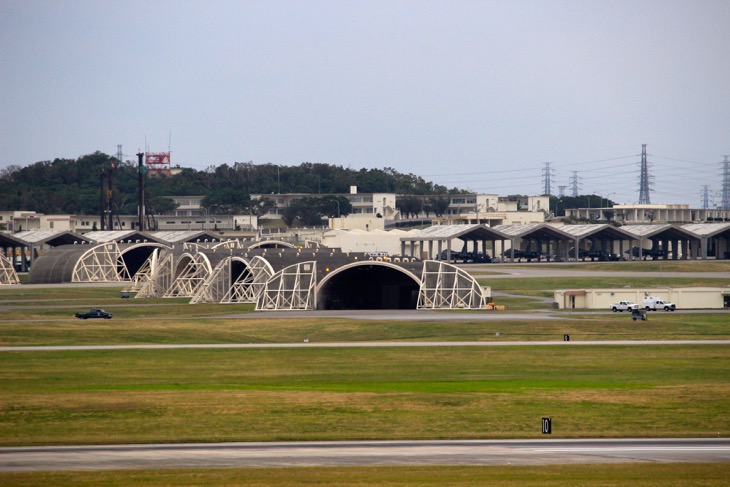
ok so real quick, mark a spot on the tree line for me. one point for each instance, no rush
(72, 186)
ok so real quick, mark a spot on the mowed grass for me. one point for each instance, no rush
(257, 328)
(635, 475)
(141, 396)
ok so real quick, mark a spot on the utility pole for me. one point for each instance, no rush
(102, 201)
(140, 180)
(644, 183)
(110, 198)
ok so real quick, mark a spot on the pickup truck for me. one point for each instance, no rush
(94, 313)
(654, 303)
(624, 306)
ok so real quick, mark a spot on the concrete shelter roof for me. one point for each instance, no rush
(586, 231)
(448, 232)
(707, 229)
(657, 231)
(53, 238)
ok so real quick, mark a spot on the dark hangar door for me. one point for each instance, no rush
(369, 287)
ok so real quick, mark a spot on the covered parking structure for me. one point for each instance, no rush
(542, 241)
(596, 241)
(443, 236)
(663, 241)
(714, 239)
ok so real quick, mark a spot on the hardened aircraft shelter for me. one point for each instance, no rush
(109, 256)
(282, 278)
(274, 275)
(7, 272)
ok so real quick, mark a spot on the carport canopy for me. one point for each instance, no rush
(443, 235)
(540, 233)
(602, 236)
(713, 236)
(671, 237)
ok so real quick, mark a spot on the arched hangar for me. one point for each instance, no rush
(315, 278)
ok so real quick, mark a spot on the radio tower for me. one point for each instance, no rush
(574, 184)
(547, 178)
(644, 183)
(725, 205)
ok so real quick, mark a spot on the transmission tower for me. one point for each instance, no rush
(725, 204)
(547, 179)
(644, 181)
(561, 190)
(574, 184)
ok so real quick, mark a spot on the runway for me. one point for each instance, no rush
(363, 453)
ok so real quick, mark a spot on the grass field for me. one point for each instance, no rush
(634, 475)
(141, 396)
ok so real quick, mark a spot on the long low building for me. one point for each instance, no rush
(683, 297)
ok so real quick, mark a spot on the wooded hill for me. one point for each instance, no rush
(71, 186)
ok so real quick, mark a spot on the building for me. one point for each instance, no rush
(650, 213)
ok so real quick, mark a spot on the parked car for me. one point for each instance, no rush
(624, 306)
(94, 313)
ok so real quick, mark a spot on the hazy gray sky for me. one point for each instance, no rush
(473, 94)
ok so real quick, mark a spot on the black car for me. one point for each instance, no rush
(94, 313)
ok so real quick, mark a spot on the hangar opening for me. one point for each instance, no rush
(369, 286)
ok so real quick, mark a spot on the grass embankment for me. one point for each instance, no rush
(636, 475)
(139, 396)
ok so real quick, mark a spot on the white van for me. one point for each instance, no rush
(654, 303)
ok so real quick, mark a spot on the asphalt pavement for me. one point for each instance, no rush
(361, 453)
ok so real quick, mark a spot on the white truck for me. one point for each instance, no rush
(624, 306)
(653, 303)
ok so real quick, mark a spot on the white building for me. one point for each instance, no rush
(650, 213)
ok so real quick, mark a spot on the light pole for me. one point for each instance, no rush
(205, 217)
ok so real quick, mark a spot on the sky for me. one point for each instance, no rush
(477, 95)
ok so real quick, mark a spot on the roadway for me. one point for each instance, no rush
(363, 453)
